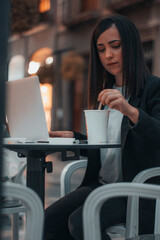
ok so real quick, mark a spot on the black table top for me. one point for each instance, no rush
(49, 146)
(44, 149)
(37, 152)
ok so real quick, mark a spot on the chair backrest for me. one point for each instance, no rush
(68, 170)
(95, 200)
(33, 205)
(132, 227)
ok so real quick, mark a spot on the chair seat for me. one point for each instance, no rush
(10, 203)
(11, 206)
(146, 237)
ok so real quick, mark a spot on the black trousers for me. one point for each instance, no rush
(63, 219)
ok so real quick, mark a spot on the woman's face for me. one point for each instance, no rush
(110, 51)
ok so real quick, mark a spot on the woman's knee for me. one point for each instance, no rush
(75, 224)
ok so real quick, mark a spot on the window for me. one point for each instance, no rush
(16, 68)
(88, 5)
(44, 5)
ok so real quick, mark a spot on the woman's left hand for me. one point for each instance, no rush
(64, 134)
(114, 99)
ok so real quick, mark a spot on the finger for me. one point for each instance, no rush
(116, 104)
(54, 133)
(108, 97)
(67, 134)
(103, 96)
(106, 91)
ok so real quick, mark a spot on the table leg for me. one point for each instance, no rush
(36, 174)
(93, 166)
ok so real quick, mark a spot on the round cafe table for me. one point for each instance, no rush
(36, 154)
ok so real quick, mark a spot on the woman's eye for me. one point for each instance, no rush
(116, 46)
(101, 50)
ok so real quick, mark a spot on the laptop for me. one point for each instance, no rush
(24, 110)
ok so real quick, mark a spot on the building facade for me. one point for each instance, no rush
(66, 37)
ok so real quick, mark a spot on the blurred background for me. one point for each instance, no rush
(51, 39)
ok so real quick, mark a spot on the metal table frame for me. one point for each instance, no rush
(36, 154)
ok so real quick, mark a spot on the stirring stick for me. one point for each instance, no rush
(100, 106)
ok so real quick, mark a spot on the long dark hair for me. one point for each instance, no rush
(134, 67)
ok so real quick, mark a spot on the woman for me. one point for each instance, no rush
(118, 79)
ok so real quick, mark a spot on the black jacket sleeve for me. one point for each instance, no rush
(80, 136)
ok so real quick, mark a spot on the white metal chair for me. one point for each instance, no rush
(132, 203)
(14, 207)
(66, 174)
(94, 202)
(65, 188)
(33, 206)
(113, 231)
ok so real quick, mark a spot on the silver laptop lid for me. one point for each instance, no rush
(24, 109)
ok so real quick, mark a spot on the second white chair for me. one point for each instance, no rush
(117, 230)
(94, 202)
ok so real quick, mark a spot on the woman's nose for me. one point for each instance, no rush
(108, 53)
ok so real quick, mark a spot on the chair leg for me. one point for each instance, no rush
(15, 226)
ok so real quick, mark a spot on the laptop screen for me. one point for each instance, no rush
(24, 109)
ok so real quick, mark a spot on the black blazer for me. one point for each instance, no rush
(140, 142)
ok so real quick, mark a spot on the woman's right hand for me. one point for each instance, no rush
(115, 100)
(64, 134)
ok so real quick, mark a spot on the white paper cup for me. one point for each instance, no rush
(96, 126)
